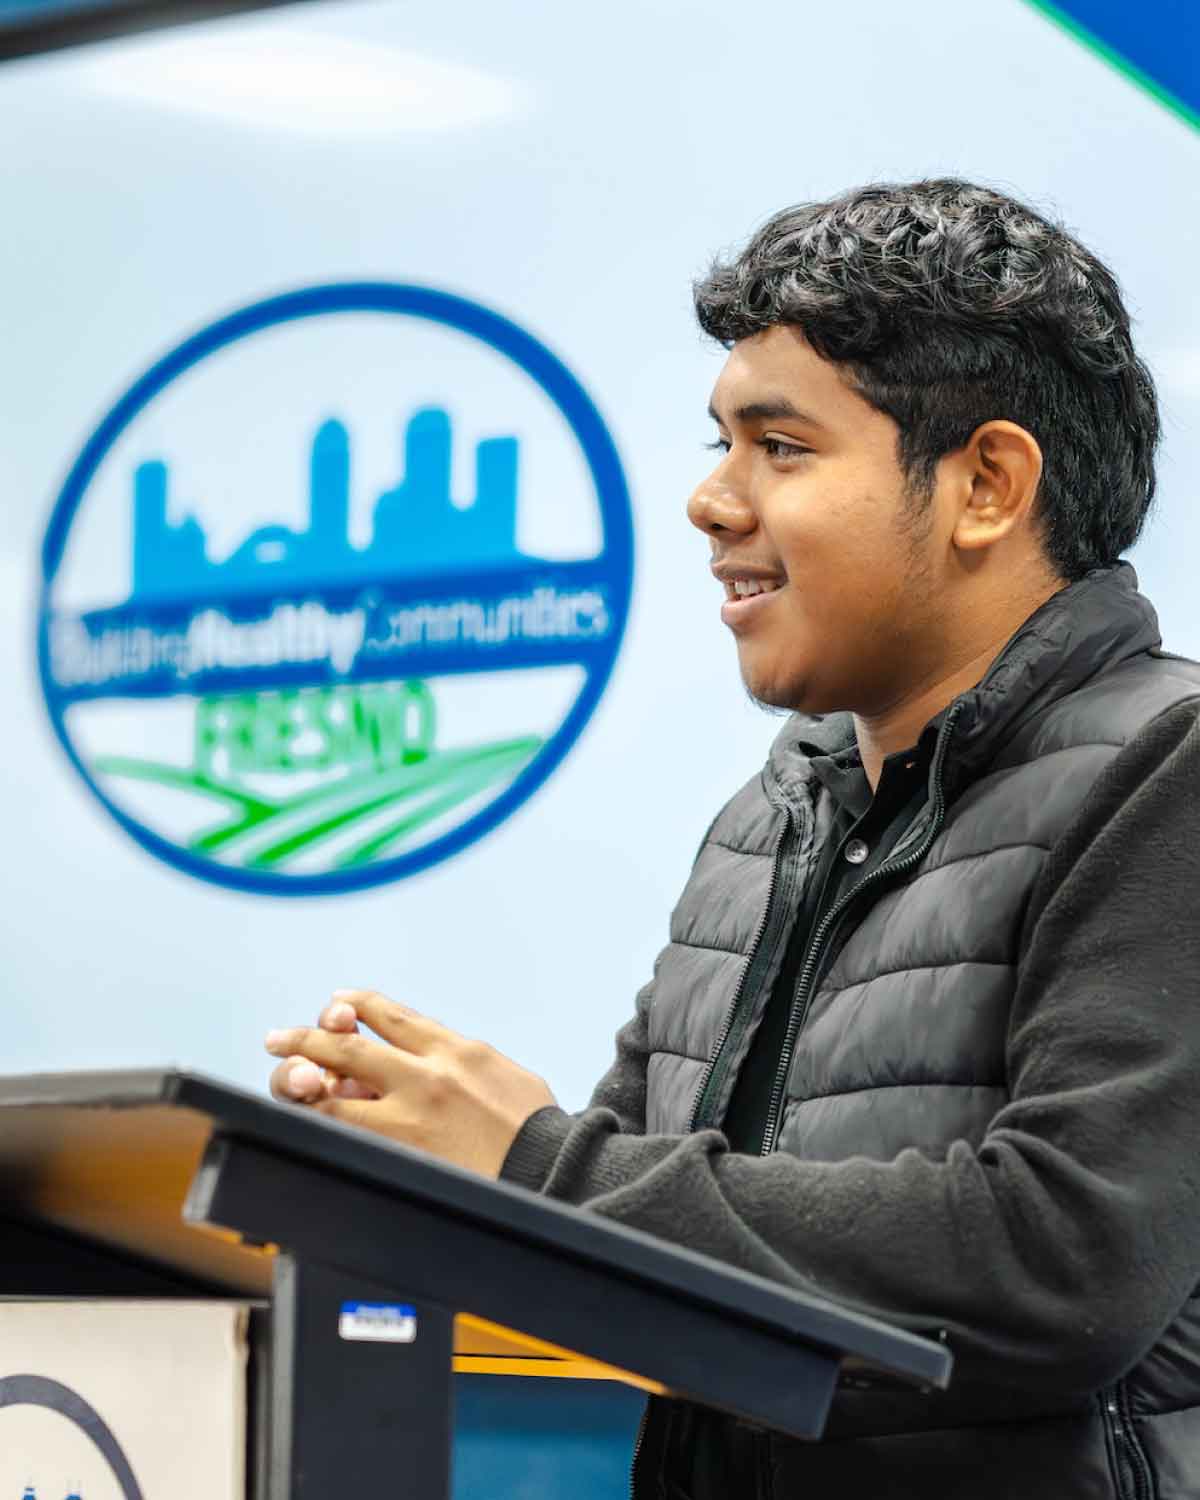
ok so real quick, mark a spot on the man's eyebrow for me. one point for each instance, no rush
(775, 408)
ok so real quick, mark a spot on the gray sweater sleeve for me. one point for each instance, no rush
(1056, 1251)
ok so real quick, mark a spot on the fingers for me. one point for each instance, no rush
(398, 1024)
(332, 1061)
(298, 1082)
(349, 1056)
(349, 1111)
(350, 1088)
(338, 1016)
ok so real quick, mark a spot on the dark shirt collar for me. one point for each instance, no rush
(841, 774)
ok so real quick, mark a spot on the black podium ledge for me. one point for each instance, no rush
(217, 1185)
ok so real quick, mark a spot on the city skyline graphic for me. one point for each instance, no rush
(417, 530)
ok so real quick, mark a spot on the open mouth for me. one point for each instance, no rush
(747, 588)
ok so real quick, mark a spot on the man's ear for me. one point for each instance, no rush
(1002, 464)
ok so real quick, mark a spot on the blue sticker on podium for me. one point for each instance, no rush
(378, 1322)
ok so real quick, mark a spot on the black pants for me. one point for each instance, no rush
(691, 1453)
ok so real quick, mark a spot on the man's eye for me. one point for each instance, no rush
(777, 448)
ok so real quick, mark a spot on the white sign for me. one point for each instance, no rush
(122, 1400)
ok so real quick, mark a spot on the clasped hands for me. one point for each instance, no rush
(418, 1082)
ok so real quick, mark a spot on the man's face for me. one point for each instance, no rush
(829, 564)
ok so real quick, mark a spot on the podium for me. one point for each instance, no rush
(376, 1271)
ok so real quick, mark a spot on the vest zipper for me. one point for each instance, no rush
(637, 1453)
(1125, 1446)
(761, 955)
(825, 926)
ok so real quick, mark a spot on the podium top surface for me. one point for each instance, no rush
(113, 1155)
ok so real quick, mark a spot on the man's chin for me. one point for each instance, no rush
(770, 694)
(778, 709)
(785, 693)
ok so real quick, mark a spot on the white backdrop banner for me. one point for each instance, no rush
(355, 635)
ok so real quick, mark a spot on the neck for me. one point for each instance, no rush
(900, 724)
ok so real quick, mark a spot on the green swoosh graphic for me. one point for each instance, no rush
(363, 853)
(183, 778)
(438, 783)
(405, 779)
(465, 779)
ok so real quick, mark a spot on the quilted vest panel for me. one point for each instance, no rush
(903, 1041)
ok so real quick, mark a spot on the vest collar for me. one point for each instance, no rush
(1087, 627)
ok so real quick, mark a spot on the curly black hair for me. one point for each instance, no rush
(947, 305)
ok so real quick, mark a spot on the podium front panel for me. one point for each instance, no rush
(203, 1182)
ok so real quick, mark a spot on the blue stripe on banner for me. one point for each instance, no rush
(1160, 38)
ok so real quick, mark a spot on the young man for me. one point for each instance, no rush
(926, 1037)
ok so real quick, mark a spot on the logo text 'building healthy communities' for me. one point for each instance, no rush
(334, 587)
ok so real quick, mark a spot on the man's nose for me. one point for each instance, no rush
(717, 506)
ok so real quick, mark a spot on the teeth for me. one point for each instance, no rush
(744, 588)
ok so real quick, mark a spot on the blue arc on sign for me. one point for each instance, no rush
(52, 1395)
(615, 562)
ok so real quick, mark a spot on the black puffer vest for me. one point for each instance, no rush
(899, 1026)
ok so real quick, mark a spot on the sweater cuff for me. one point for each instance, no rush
(535, 1148)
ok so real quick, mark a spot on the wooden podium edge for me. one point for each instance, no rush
(130, 1194)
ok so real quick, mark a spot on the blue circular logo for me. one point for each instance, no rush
(334, 587)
